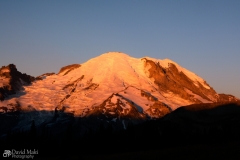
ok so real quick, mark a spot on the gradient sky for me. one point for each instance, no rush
(200, 35)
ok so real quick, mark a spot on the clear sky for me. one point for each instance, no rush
(201, 35)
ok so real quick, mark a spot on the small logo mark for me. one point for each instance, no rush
(6, 153)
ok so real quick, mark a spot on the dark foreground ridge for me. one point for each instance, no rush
(190, 133)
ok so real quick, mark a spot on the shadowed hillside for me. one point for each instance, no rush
(187, 132)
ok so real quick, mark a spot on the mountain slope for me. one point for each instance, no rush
(118, 85)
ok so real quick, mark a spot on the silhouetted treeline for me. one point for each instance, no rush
(180, 128)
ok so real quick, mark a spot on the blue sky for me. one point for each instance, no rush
(200, 35)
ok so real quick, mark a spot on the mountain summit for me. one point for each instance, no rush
(118, 86)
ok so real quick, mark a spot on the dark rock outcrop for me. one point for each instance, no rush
(124, 109)
(43, 76)
(14, 80)
(69, 68)
(227, 98)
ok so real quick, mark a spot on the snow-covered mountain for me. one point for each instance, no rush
(113, 85)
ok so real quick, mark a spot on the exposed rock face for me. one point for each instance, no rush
(227, 98)
(173, 80)
(65, 70)
(43, 76)
(158, 110)
(117, 106)
(12, 80)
